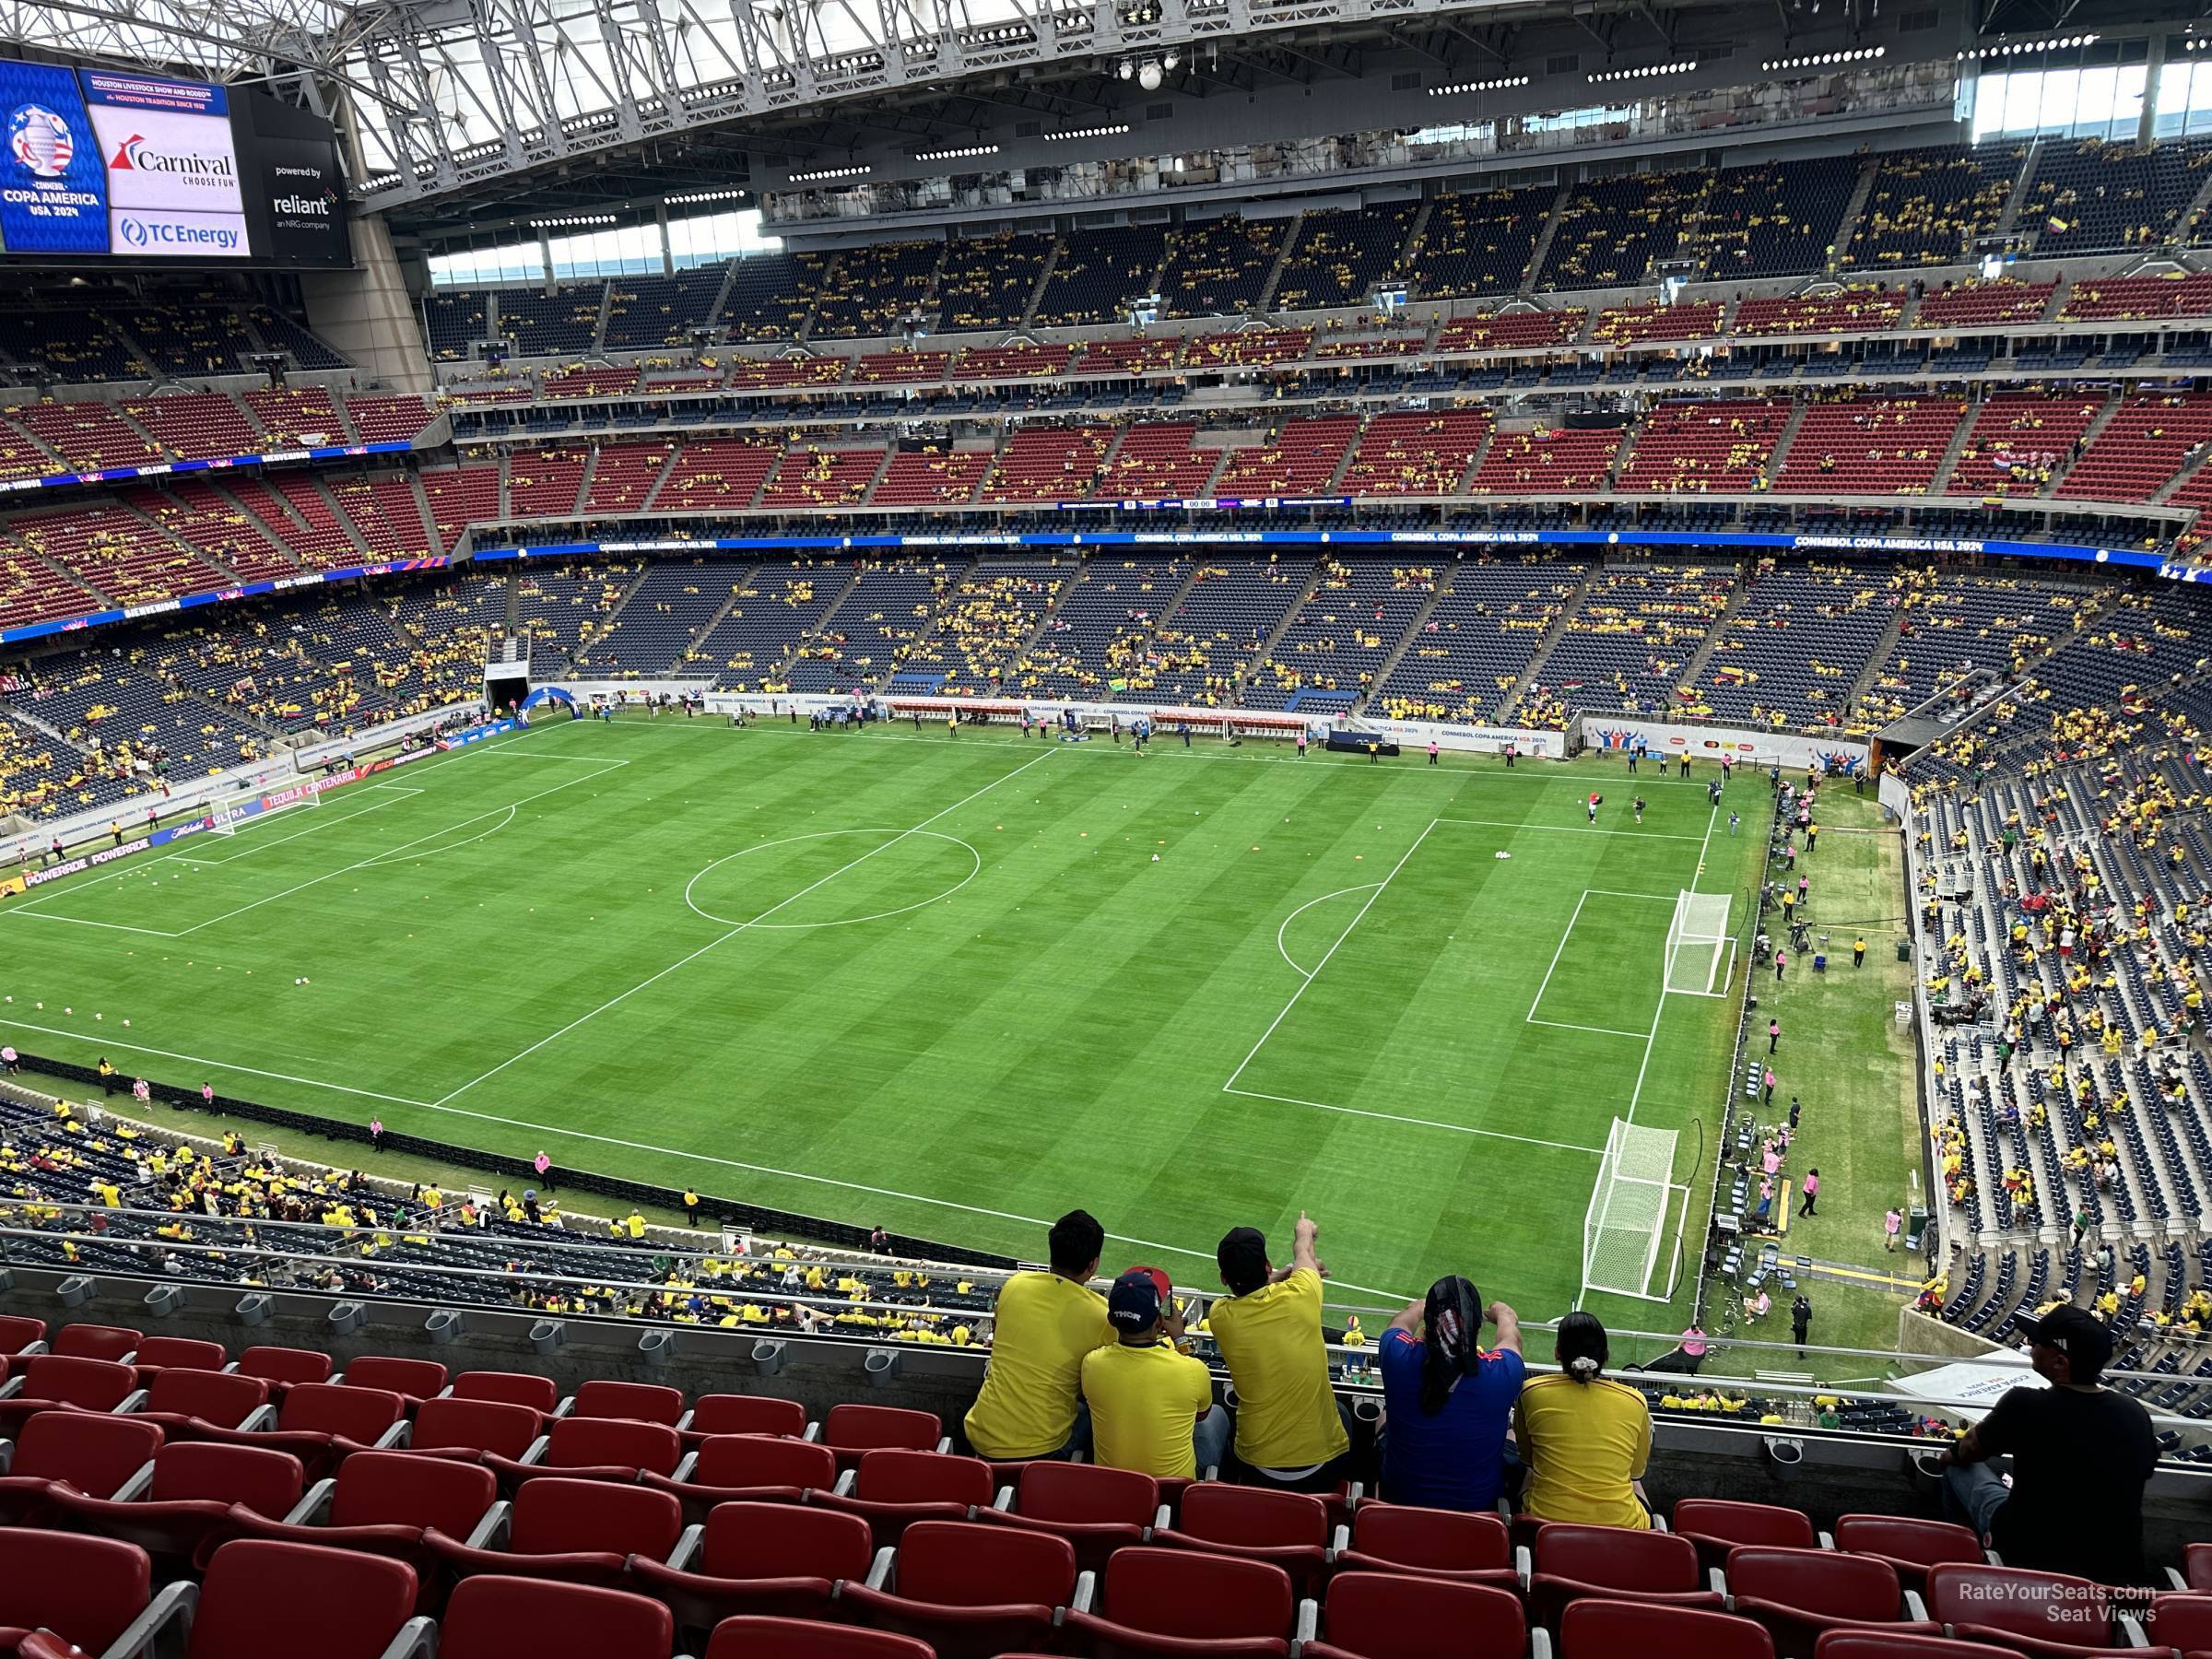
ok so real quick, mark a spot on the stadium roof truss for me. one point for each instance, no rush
(478, 88)
(444, 97)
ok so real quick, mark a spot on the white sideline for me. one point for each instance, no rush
(771, 727)
(1651, 1041)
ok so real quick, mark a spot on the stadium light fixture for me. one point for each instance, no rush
(1457, 88)
(2004, 49)
(572, 222)
(1825, 60)
(1601, 76)
(1111, 130)
(961, 153)
(822, 174)
(695, 197)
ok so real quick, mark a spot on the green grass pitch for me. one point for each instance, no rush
(943, 985)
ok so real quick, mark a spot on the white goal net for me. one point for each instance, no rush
(1700, 953)
(227, 815)
(1626, 1224)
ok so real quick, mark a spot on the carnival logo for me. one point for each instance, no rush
(135, 154)
(40, 141)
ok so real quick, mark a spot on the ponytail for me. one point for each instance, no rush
(1452, 1320)
(1581, 1346)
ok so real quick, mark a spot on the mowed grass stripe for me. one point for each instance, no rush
(1075, 1053)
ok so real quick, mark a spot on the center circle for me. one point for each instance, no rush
(831, 878)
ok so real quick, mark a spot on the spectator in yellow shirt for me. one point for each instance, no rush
(1291, 1434)
(1587, 1439)
(1151, 1407)
(1044, 1325)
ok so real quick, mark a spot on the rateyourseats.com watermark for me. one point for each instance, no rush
(2081, 1607)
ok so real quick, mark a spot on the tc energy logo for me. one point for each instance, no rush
(135, 154)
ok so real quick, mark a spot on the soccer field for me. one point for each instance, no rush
(943, 985)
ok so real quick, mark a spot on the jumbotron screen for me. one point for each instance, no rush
(106, 165)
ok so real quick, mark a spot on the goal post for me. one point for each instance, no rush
(1699, 954)
(229, 814)
(1626, 1224)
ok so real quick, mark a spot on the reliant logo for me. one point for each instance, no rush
(135, 154)
(316, 206)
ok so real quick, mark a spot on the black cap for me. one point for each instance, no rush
(2086, 1340)
(1242, 1257)
(1133, 1304)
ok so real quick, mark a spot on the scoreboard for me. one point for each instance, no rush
(105, 165)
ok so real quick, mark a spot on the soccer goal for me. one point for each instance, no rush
(1699, 955)
(227, 815)
(1626, 1224)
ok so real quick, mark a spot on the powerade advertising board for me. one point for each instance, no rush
(108, 165)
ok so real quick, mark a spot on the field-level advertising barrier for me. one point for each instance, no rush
(1166, 718)
(273, 772)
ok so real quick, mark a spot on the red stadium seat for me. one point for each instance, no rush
(1164, 1601)
(970, 1592)
(852, 1432)
(595, 1449)
(633, 1402)
(1595, 1628)
(475, 1428)
(64, 1382)
(2048, 1614)
(493, 1617)
(1911, 1545)
(2197, 1566)
(321, 1424)
(895, 1489)
(2181, 1622)
(86, 1589)
(1613, 1563)
(743, 1414)
(259, 1598)
(1716, 1526)
(1883, 1644)
(97, 1342)
(187, 1505)
(1800, 1594)
(746, 1468)
(414, 1379)
(510, 1388)
(181, 1400)
(1401, 1616)
(384, 1503)
(1097, 1510)
(284, 1366)
(584, 1531)
(1288, 1529)
(775, 1559)
(1468, 1549)
(184, 1353)
(795, 1639)
(19, 1331)
(95, 1453)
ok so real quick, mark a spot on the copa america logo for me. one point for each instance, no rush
(40, 141)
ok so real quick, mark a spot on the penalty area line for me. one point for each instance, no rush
(1392, 1117)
